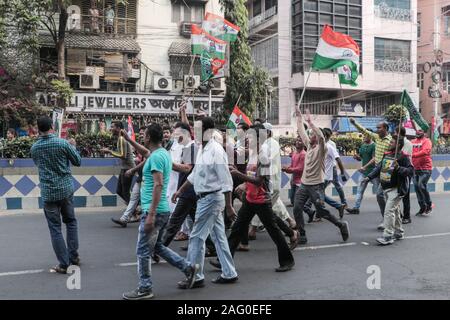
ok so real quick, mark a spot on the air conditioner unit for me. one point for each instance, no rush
(191, 82)
(89, 81)
(162, 83)
(186, 28)
(219, 86)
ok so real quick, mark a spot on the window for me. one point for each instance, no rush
(447, 81)
(418, 26)
(399, 4)
(257, 8)
(194, 13)
(446, 18)
(420, 80)
(265, 54)
(270, 3)
(392, 55)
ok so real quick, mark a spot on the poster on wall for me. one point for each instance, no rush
(446, 126)
(57, 121)
(67, 127)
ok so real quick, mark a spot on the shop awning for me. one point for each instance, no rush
(180, 49)
(94, 41)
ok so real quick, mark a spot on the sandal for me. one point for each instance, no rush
(58, 269)
(181, 236)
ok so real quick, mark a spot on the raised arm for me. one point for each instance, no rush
(301, 129)
(138, 147)
(363, 130)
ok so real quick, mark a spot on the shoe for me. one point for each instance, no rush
(429, 210)
(75, 262)
(184, 284)
(285, 268)
(220, 280)
(317, 219)
(302, 239)
(181, 236)
(294, 243)
(155, 258)
(190, 273)
(345, 232)
(399, 236)
(134, 219)
(311, 215)
(342, 210)
(58, 269)
(421, 212)
(210, 253)
(380, 227)
(215, 263)
(120, 222)
(138, 294)
(352, 211)
(385, 241)
(243, 247)
(406, 221)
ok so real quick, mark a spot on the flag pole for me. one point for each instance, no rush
(398, 133)
(239, 99)
(304, 89)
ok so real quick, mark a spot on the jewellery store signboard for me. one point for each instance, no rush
(135, 103)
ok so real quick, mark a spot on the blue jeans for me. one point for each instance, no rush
(362, 188)
(53, 213)
(421, 178)
(330, 201)
(149, 244)
(337, 184)
(209, 220)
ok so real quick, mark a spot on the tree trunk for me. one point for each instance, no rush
(60, 46)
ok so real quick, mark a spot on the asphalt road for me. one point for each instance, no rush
(326, 268)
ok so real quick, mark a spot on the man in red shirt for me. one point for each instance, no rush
(423, 165)
(296, 167)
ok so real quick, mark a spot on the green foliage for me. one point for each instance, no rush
(89, 145)
(63, 91)
(392, 113)
(17, 148)
(244, 78)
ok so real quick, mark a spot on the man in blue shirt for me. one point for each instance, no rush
(53, 157)
(155, 213)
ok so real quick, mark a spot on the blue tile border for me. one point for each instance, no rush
(80, 202)
(13, 203)
(109, 201)
(85, 162)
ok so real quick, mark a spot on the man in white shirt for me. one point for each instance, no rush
(330, 164)
(213, 186)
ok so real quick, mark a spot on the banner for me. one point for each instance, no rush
(353, 109)
(57, 120)
(407, 102)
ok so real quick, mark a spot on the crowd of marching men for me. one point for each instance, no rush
(188, 177)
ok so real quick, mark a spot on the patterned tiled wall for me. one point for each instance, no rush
(21, 191)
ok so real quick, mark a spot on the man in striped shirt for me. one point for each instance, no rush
(125, 153)
(382, 140)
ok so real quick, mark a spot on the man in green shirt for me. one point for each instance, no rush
(366, 154)
(155, 213)
(382, 140)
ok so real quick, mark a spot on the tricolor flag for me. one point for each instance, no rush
(202, 42)
(131, 129)
(211, 68)
(337, 51)
(220, 28)
(237, 117)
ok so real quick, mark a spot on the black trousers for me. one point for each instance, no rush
(268, 218)
(124, 186)
(184, 207)
(316, 193)
(407, 205)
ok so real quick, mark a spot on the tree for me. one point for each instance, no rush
(244, 78)
(392, 113)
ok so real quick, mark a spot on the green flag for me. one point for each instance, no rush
(407, 102)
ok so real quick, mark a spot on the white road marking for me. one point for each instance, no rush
(327, 246)
(365, 243)
(429, 235)
(133, 264)
(15, 273)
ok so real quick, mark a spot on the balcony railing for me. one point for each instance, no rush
(266, 15)
(101, 24)
(400, 65)
(383, 10)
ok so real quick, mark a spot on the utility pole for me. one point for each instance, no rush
(436, 49)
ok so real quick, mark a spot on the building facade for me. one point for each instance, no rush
(131, 58)
(385, 30)
(433, 66)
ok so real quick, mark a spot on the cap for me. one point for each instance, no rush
(268, 126)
